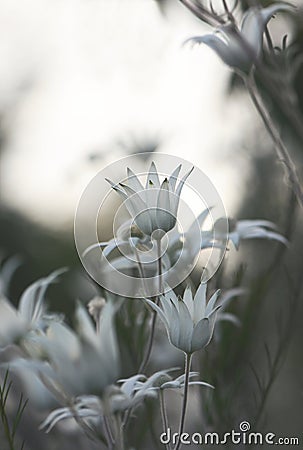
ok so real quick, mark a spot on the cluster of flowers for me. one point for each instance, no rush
(79, 368)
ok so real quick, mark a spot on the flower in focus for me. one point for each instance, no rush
(240, 49)
(189, 321)
(155, 206)
(162, 380)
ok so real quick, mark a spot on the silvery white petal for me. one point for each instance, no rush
(31, 303)
(152, 177)
(162, 316)
(84, 324)
(188, 300)
(107, 338)
(7, 271)
(185, 327)
(174, 326)
(230, 51)
(172, 296)
(211, 303)
(255, 21)
(133, 181)
(174, 177)
(128, 387)
(99, 245)
(228, 317)
(201, 383)
(244, 224)
(201, 335)
(200, 302)
(12, 326)
(167, 308)
(175, 199)
(118, 188)
(54, 417)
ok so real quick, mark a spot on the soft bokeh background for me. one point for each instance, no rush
(84, 82)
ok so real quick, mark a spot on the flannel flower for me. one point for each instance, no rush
(130, 393)
(31, 315)
(155, 206)
(241, 48)
(189, 321)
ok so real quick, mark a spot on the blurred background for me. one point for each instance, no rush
(85, 82)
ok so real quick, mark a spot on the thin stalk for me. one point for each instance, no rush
(120, 433)
(108, 434)
(188, 358)
(164, 415)
(202, 13)
(280, 148)
(149, 347)
(154, 315)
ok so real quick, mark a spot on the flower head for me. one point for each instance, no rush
(155, 206)
(189, 321)
(241, 48)
(31, 315)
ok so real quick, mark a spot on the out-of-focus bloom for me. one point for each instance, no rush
(118, 399)
(155, 206)
(31, 314)
(252, 229)
(240, 49)
(189, 321)
(82, 363)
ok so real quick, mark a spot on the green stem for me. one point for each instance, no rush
(164, 415)
(188, 357)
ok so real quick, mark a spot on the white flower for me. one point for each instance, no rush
(86, 362)
(189, 321)
(162, 380)
(155, 206)
(242, 48)
(31, 314)
(252, 229)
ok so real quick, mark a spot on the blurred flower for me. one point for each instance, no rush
(251, 229)
(240, 49)
(154, 207)
(189, 321)
(117, 399)
(78, 363)
(31, 314)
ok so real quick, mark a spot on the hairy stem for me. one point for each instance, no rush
(188, 358)
(282, 152)
(149, 347)
(164, 415)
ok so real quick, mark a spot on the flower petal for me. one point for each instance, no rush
(174, 177)
(255, 21)
(152, 177)
(200, 302)
(201, 335)
(133, 181)
(211, 303)
(188, 300)
(185, 327)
